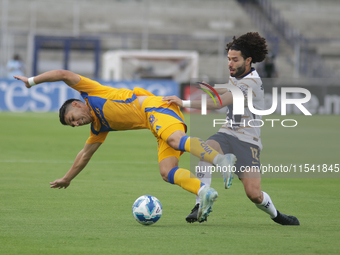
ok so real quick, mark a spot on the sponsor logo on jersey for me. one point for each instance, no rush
(102, 120)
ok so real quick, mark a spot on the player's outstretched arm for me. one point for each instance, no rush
(226, 99)
(175, 100)
(196, 104)
(79, 164)
(66, 76)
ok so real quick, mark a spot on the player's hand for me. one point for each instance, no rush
(60, 183)
(173, 99)
(24, 79)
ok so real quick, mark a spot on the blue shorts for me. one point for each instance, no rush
(247, 154)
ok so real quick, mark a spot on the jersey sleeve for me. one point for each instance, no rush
(100, 138)
(141, 92)
(86, 85)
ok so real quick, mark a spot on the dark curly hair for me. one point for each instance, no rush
(251, 45)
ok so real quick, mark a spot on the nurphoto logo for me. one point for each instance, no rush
(238, 103)
(204, 97)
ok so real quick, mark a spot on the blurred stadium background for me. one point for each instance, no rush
(161, 46)
(183, 39)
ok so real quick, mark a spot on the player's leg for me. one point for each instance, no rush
(177, 139)
(249, 173)
(251, 180)
(167, 121)
(173, 174)
(164, 120)
(168, 164)
(252, 186)
(197, 147)
(170, 172)
(203, 174)
(220, 143)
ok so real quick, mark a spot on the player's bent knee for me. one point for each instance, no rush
(166, 166)
(254, 196)
(174, 143)
(164, 171)
(164, 175)
(174, 139)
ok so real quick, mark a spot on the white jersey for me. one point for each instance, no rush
(246, 127)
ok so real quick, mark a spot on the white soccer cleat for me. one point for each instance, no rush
(207, 198)
(226, 162)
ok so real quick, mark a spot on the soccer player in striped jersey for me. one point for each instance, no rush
(109, 109)
(237, 136)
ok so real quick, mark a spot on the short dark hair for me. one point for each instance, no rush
(251, 45)
(64, 109)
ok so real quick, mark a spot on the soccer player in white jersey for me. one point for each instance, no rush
(237, 137)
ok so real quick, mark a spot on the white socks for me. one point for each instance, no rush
(204, 175)
(267, 205)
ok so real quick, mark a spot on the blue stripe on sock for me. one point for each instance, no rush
(182, 143)
(171, 175)
(202, 184)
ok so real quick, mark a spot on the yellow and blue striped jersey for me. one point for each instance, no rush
(113, 109)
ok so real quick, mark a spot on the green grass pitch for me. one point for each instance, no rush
(93, 215)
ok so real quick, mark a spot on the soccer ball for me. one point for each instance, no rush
(147, 210)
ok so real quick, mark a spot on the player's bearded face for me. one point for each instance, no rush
(236, 64)
(238, 71)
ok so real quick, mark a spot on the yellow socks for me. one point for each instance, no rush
(185, 179)
(198, 148)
